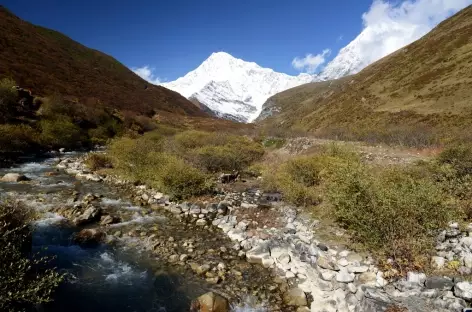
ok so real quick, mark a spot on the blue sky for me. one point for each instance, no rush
(175, 36)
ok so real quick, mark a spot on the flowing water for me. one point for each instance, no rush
(104, 278)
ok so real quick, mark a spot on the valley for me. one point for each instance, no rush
(236, 188)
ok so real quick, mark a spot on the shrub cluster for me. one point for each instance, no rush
(25, 279)
(181, 164)
(395, 212)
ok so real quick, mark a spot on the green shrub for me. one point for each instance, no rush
(300, 179)
(390, 211)
(193, 139)
(181, 180)
(459, 157)
(17, 138)
(60, 132)
(235, 155)
(8, 99)
(97, 161)
(24, 281)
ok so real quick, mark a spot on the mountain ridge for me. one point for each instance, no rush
(48, 62)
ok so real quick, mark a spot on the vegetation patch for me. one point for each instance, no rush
(26, 279)
(182, 164)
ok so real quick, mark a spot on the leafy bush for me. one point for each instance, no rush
(17, 138)
(97, 161)
(459, 158)
(8, 98)
(390, 211)
(193, 139)
(24, 281)
(143, 160)
(181, 180)
(60, 132)
(236, 154)
(300, 179)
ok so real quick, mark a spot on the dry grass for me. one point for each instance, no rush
(418, 96)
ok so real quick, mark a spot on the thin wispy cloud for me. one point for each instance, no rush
(147, 73)
(310, 63)
(340, 38)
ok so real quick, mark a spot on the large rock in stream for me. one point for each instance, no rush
(14, 177)
(210, 302)
(90, 215)
(89, 238)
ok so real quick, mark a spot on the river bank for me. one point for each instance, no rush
(283, 238)
(239, 244)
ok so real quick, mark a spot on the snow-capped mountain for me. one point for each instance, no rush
(234, 88)
(370, 46)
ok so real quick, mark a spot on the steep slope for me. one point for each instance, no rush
(426, 86)
(47, 62)
(234, 88)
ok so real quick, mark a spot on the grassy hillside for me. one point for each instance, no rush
(48, 62)
(421, 94)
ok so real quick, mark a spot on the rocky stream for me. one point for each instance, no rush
(127, 247)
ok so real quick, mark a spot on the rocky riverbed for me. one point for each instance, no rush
(250, 245)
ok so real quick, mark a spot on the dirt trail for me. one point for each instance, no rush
(378, 154)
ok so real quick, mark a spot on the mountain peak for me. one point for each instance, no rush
(233, 87)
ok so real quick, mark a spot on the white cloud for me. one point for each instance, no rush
(147, 73)
(310, 62)
(389, 26)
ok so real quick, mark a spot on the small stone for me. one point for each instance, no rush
(221, 266)
(437, 282)
(328, 275)
(210, 302)
(358, 269)
(468, 261)
(170, 239)
(289, 274)
(295, 297)
(354, 258)
(173, 258)
(352, 288)
(416, 278)
(201, 222)
(438, 262)
(175, 210)
(183, 257)
(202, 269)
(463, 290)
(380, 281)
(454, 225)
(343, 262)
(284, 259)
(303, 309)
(325, 263)
(343, 276)
(343, 254)
(367, 278)
(323, 247)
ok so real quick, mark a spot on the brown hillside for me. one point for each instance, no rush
(49, 62)
(424, 88)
